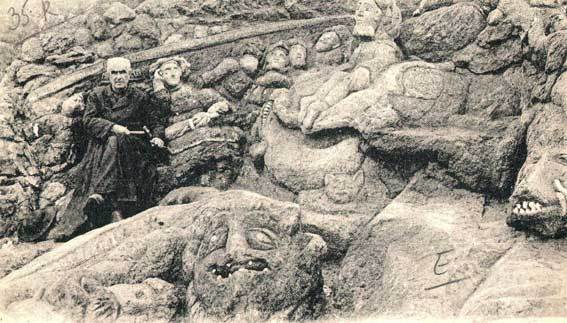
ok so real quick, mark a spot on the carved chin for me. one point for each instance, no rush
(364, 30)
(172, 83)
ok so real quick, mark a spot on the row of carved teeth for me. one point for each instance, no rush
(229, 265)
(527, 208)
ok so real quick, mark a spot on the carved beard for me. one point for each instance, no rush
(365, 29)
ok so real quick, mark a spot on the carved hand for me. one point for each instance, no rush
(120, 130)
(360, 79)
(157, 142)
(202, 119)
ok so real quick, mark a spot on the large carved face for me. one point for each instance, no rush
(171, 73)
(539, 201)
(366, 18)
(538, 204)
(251, 260)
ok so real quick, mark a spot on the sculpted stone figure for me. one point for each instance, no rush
(237, 254)
(377, 24)
(192, 142)
(539, 201)
(190, 107)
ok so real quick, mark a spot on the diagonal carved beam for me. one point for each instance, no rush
(65, 81)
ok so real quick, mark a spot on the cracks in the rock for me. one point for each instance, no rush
(480, 284)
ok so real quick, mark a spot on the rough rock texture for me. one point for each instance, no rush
(32, 51)
(118, 12)
(299, 167)
(193, 245)
(489, 60)
(436, 35)
(16, 255)
(197, 152)
(526, 282)
(425, 253)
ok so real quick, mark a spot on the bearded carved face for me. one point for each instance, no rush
(252, 261)
(366, 19)
(171, 73)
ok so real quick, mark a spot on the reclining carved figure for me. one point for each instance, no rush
(377, 25)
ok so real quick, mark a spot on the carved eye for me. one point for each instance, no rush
(261, 239)
(561, 159)
(217, 240)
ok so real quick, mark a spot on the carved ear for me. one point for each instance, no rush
(329, 178)
(359, 178)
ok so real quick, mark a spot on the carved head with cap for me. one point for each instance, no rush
(172, 69)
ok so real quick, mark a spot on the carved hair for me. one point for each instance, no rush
(182, 62)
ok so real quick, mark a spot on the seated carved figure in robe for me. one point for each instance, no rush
(190, 108)
(196, 146)
(117, 171)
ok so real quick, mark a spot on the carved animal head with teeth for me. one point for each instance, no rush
(254, 259)
(539, 201)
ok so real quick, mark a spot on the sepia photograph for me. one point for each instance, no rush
(317, 161)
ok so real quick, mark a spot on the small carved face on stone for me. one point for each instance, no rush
(539, 201)
(153, 300)
(328, 41)
(171, 73)
(366, 18)
(221, 176)
(343, 188)
(253, 260)
(73, 106)
(298, 56)
(277, 59)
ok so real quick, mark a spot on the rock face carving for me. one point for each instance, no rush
(377, 24)
(343, 188)
(538, 204)
(192, 142)
(235, 253)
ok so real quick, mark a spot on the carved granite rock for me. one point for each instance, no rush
(298, 167)
(436, 35)
(424, 254)
(538, 203)
(211, 248)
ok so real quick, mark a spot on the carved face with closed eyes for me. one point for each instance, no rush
(254, 260)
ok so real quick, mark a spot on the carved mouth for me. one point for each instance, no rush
(532, 206)
(227, 270)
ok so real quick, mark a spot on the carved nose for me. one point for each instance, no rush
(236, 245)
